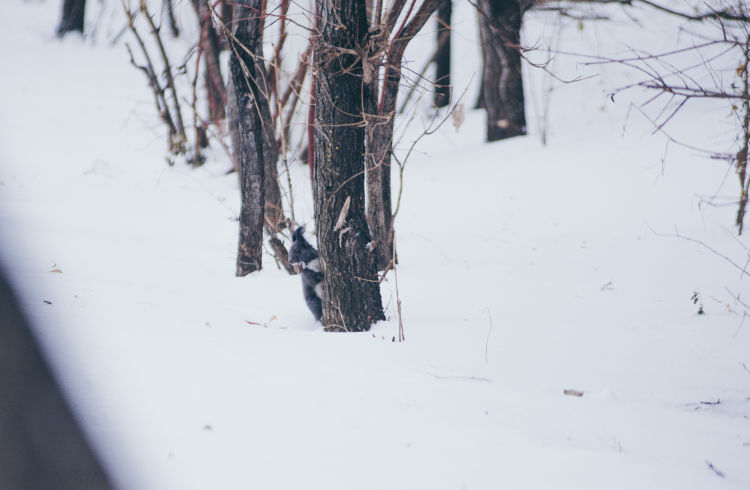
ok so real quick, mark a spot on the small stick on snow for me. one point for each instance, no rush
(711, 467)
(717, 402)
(468, 378)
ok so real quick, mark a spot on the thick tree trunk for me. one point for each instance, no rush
(443, 59)
(275, 221)
(244, 73)
(351, 292)
(73, 14)
(502, 84)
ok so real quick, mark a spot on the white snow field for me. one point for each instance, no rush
(525, 270)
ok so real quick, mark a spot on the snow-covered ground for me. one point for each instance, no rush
(525, 270)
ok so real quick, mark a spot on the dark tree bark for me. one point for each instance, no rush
(443, 56)
(274, 212)
(274, 218)
(351, 292)
(73, 14)
(244, 73)
(502, 84)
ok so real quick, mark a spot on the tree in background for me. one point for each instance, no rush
(502, 83)
(210, 46)
(73, 14)
(442, 96)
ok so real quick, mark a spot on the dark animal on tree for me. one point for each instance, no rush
(304, 258)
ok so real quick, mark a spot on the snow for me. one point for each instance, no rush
(525, 270)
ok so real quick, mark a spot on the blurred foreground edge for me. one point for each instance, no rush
(41, 445)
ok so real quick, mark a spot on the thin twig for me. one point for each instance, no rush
(401, 336)
(487, 340)
(703, 244)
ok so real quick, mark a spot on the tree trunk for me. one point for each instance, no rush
(443, 59)
(244, 73)
(379, 147)
(380, 124)
(479, 104)
(351, 292)
(212, 75)
(502, 85)
(742, 154)
(275, 221)
(274, 211)
(73, 14)
(233, 125)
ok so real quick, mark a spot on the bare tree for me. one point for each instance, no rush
(161, 78)
(502, 83)
(386, 48)
(247, 92)
(271, 101)
(273, 211)
(266, 78)
(351, 293)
